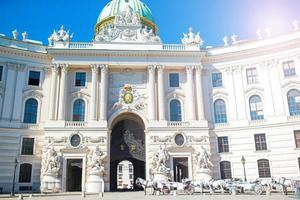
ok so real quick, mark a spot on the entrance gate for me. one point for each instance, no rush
(127, 145)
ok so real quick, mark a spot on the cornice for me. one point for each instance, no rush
(24, 53)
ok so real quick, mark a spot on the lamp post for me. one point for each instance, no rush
(13, 185)
(243, 160)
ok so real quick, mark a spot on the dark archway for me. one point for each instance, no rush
(127, 143)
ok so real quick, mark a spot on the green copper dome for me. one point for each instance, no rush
(115, 7)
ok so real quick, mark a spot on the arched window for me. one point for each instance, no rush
(175, 110)
(225, 168)
(256, 108)
(78, 110)
(25, 173)
(220, 111)
(294, 102)
(30, 113)
(263, 168)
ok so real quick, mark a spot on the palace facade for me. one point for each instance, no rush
(73, 110)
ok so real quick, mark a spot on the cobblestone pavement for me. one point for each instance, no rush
(141, 196)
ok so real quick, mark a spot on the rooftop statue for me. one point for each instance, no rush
(192, 38)
(60, 36)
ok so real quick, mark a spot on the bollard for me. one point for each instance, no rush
(101, 195)
(174, 193)
(83, 194)
(30, 196)
(20, 196)
(233, 191)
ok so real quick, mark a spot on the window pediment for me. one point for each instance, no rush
(33, 93)
(80, 95)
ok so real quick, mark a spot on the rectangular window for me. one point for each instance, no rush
(34, 78)
(289, 68)
(223, 144)
(1, 72)
(174, 80)
(260, 142)
(217, 80)
(251, 76)
(297, 138)
(25, 173)
(80, 79)
(27, 146)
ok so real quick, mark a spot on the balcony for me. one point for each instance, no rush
(293, 118)
(74, 124)
(257, 122)
(178, 124)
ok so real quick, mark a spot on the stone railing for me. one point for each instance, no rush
(178, 124)
(81, 45)
(70, 124)
(293, 118)
(257, 122)
(30, 126)
(164, 47)
(222, 125)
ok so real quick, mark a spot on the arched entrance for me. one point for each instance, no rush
(127, 145)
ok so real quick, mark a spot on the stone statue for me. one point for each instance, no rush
(202, 159)
(51, 163)
(225, 40)
(234, 39)
(192, 38)
(15, 34)
(259, 34)
(159, 161)
(296, 25)
(24, 35)
(60, 36)
(96, 162)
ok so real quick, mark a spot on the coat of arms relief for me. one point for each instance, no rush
(130, 99)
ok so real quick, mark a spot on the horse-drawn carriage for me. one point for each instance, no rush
(232, 186)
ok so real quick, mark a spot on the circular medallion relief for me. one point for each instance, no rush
(179, 139)
(75, 140)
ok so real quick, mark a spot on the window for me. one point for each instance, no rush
(225, 168)
(299, 163)
(256, 108)
(220, 111)
(289, 68)
(80, 79)
(34, 78)
(260, 142)
(27, 146)
(297, 138)
(175, 110)
(30, 113)
(174, 80)
(223, 144)
(251, 76)
(217, 80)
(263, 168)
(120, 168)
(294, 102)
(25, 173)
(1, 72)
(79, 110)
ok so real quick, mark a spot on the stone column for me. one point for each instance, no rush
(161, 93)
(151, 89)
(52, 106)
(93, 104)
(9, 94)
(104, 92)
(18, 101)
(199, 90)
(190, 94)
(62, 91)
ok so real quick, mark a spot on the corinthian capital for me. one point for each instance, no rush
(160, 68)
(55, 68)
(151, 68)
(64, 67)
(199, 68)
(94, 68)
(104, 68)
(189, 68)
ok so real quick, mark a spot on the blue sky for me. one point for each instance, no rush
(212, 18)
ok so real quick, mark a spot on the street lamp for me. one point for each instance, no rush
(243, 160)
(13, 185)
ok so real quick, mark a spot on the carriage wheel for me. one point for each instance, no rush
(258, 189)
